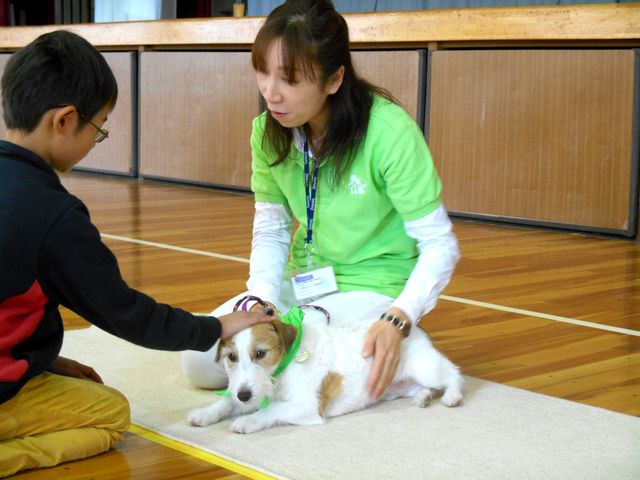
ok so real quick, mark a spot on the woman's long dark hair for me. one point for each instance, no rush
(315, 39)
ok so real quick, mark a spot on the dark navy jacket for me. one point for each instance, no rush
(50, 255)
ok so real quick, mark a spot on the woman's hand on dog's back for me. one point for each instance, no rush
(232, 323)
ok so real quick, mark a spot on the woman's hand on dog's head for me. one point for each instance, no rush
(232, 323)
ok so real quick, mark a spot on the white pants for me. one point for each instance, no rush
(344, 307)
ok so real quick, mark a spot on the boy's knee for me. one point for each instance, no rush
(109, 409)
(120, 410)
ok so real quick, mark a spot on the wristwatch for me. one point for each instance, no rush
(403, 325)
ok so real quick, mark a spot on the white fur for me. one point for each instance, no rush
(294, 394)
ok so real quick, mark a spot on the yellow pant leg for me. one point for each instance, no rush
(55, 419)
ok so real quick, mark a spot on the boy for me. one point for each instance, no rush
(56, 94)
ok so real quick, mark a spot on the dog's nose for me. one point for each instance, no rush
(244, 395)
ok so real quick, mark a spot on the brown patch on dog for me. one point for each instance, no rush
(225, 348)
(274, 339)
(286, 332)
(329, 389)
(221, 344)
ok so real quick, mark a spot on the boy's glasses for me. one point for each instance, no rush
(101, 133)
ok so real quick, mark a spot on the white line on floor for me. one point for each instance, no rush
(546, 316)
(492, 306)
(177, 249)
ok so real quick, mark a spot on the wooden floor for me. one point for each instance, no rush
(489, 322)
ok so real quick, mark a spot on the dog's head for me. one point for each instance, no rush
(251, 356)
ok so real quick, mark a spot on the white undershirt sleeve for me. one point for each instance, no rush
(438, 256)
(269, 250)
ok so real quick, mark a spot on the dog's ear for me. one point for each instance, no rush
(286, 332)
(219, 350)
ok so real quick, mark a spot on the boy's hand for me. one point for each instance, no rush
(232, 323)
(71, 368)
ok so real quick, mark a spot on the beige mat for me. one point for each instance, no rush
(499, 432)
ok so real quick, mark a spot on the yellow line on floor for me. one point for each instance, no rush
(491, 306)
(197, 453)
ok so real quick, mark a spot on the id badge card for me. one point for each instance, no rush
(313, 282)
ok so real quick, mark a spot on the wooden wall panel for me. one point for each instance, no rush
(398, 71)
(115, 153)
(540, 135)
(196, 110)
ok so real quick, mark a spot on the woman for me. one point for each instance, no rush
(352, 167)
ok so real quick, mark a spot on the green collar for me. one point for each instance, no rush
(293, 317)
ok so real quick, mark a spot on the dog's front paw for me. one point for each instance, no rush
(203, 417)
(423, 397)
(246, 424)
(452, 397)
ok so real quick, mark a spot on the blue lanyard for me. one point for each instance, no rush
(310, 191)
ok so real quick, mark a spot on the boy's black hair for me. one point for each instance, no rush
(57, 68)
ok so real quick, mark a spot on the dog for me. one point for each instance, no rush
(327, 378)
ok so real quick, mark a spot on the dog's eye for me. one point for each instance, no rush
(260, 354)
(232, 357)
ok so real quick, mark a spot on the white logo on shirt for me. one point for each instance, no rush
(356, 186)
